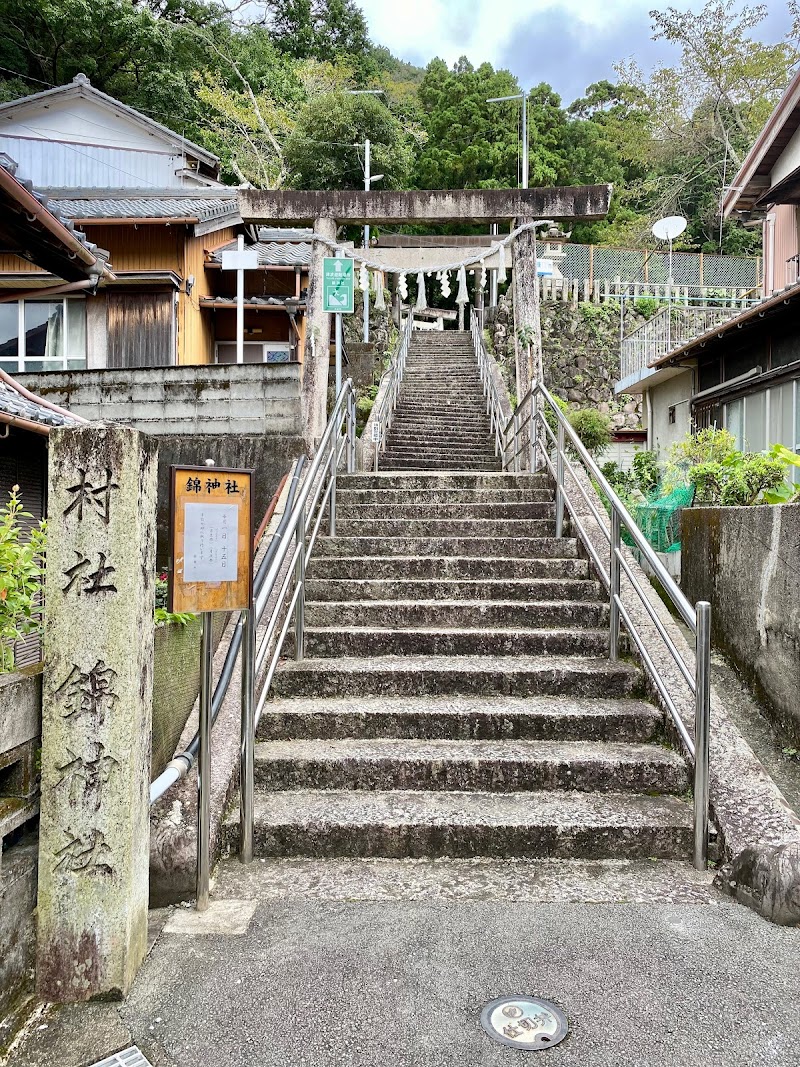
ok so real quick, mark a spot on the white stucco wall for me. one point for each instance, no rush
(673, 392)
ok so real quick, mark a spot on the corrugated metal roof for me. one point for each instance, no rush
(281, 253)
(18, 406)
(161, 205)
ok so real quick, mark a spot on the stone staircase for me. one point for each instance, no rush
(440, 422)
(456, 698)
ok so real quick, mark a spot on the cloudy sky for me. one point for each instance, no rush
(568, 44)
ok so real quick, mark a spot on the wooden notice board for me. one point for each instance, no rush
(211, 539)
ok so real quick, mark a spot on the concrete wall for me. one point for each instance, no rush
(745, 562)
(249, 399)
(17, 925)
(673, 392)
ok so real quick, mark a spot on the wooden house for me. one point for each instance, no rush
(153, 199)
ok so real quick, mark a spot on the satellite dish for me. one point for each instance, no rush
(669, 228)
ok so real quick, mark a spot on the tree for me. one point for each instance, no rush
(705, 112)
(325, 150)
(326, 30)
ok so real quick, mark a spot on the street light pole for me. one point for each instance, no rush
(523, 96)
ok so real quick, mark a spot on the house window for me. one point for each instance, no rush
(255, 352)
(38, 335)
(734, 421)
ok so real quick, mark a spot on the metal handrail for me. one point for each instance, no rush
(494, 405)
(528, 440)
(280, 601)
(382, 418)
(181, 764)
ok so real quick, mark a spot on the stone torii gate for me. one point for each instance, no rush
(325, 209)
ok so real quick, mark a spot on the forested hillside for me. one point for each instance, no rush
(267, 86)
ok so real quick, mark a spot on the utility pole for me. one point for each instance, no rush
(367, 183)
(523, 96)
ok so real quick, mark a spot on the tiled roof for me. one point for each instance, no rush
(11, 167)
(18, 406)
(206, 205)
(276, 253)
(278, 233)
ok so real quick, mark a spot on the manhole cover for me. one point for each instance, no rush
(524, 1022)
(128, 1057)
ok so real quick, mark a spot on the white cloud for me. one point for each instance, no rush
(482, 29)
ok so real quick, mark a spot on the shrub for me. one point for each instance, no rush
(739, 480)
(646, 471)
(21, 570)
(593, 428)
(647, 306)
(708, 446)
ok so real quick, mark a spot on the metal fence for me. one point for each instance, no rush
(626, 266)
(670, 328)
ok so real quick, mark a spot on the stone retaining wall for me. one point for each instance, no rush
(745, 562)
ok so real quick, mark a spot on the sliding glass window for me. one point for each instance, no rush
(37, 335)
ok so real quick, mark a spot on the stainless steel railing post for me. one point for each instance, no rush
(702, 733)
(300, 580)
(204, 763)
(532, 424)
(246, 766)
(516, 441)
(332, 502)
(560, 482)
(351, 432)
(614, 585)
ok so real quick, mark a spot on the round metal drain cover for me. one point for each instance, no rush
(524, 1022)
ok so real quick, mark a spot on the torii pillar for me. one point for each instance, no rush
(525, 286)
(316, 355)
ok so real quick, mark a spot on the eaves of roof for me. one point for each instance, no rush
(42, 232)
(124, 205)
(20, 407)
(281, 253)
(752, 178)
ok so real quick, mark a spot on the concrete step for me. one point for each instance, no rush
(467, 444)
(468, 718)
(512, 548)
(505, 766)
(361, 641)
(400, 676)
(494, 480)
(410, 510)
(432, 614)
(483, 881)
(425, 497)
(427, 824)
(441, 464)
(436, 569)
(443, 591)
(482, 528)
(407, 459)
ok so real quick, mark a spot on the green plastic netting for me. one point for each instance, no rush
(659, 519)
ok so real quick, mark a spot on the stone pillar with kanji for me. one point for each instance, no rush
(96, 712)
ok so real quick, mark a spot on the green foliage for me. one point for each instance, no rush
(709, 446)
(646, 471)
(162, 616)
(738, 480)
(21, 571)
(647, 306)
(593, 428)
(325, 148)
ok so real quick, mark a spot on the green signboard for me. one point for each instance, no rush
(337, 287)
